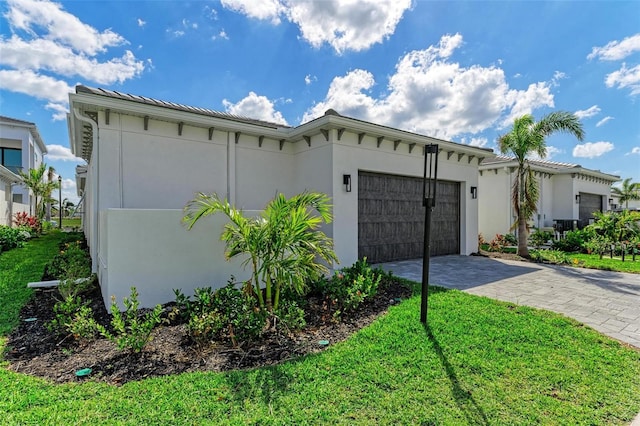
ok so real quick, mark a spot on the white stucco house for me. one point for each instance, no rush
(8, 180)
(147, 158)
(21, 148)
(569, 193)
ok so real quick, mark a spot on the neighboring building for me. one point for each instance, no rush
(616, 205)
(8, 181)
(21, 149)
(147, 158)
(569, 194)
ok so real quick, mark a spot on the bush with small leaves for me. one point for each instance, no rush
(350, 287)
(131, 330)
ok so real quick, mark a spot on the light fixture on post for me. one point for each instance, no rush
(474, 192)
(60, 201)
(577, 198)
(430, 180)
(346, 181)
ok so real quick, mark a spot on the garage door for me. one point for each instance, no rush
(391, 218)
(589, 203)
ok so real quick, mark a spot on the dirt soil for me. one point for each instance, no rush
(33, 350)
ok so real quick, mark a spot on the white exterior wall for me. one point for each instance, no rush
(138, 181)
(150, 249)
(564, 204)
(544, 218)
(494, 202)
(5, 203)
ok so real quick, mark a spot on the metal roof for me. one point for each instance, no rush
(177, 107)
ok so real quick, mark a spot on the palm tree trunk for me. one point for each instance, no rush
(523, 250)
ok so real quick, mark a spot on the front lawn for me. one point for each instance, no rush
(591, 261)
(479, 361)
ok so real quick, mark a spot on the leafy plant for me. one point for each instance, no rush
(226, 314)
(24, 220)
(350, 287)
(538, 237)
(574, 241)
(72, 261)
(499, 243)
(284, 246)
(64, 311)
(291, 316)
(13, 237)
(131, 330)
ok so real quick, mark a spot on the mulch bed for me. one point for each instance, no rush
(33, 350)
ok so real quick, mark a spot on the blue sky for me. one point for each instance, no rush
(457, 70)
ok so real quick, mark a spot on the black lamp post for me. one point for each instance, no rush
(60, 200)
(429, 202)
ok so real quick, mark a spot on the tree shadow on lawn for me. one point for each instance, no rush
(271, 382)
(463, 397)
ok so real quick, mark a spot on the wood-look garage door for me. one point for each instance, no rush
(391, 218)
(589, 203)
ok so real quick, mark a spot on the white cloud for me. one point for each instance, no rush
(551, 152)
(33, 84)
(343, 24)
(222, 34)
(141, 23)
(61, 153)
(625, 77)
(59, 111)
(255, 106)
(430, 94)
(634, 151)
(263, 9)
(308, 79)
(557, 76)
(616, 50)
(603, 121)
(479, 142)
(587, 113)
(592, 149)
(42, 54)
(45, 40)
(61, 26)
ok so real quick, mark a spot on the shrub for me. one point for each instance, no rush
(499, 243)
(64, 311)
(226, 314)
(350, 287)
(291, 316)
(574, 241)
(23, 219)
(72, 261)
(13, 237)
(552, 256)
(131, 329)
(538, 237)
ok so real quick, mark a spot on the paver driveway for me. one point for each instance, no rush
(607, 301)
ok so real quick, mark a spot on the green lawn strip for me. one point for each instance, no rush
(478, 361)
(18, 267)
(616, 264)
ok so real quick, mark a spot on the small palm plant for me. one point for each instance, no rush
(284, 245)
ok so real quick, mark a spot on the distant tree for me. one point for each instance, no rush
(41, 189)
(627, 192)
(525, 138)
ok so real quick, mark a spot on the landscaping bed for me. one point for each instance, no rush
(32, 349)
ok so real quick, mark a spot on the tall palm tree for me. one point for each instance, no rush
(527, 137)
(627, 192)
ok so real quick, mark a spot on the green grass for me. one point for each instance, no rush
(71, 222)
(478, 362)
(593, 261)
(18, 267)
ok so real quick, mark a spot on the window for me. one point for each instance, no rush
(11, 158)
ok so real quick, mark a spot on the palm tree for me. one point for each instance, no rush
(283, 244)
(525, 138)
(41, 189)
(628, 191)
